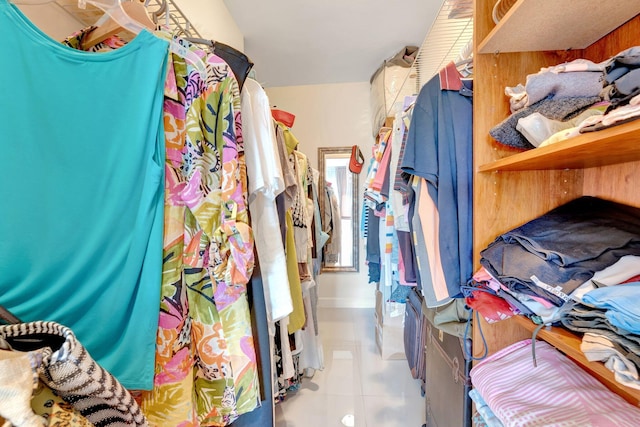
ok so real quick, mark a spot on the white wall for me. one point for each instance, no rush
(333, 115)
(52, 19)
(213, 21)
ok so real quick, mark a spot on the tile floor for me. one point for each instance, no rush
(357, 387)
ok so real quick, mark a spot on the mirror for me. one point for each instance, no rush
(340, 253)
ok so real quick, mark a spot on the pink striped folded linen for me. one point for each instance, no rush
(555, 393)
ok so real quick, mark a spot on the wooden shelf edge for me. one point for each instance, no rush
(569, 344)
(551, 25)
(489, 39)
(618, 144)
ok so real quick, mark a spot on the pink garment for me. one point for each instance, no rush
(401, 269)
(542, 301)
(482, 275)
(555, 393)
(377, 153)
(378, 179)
(450, 78)
(430, 219)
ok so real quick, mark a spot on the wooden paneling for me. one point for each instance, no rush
(623, 38)
(620, 183)
(497, 335)
(505, 200)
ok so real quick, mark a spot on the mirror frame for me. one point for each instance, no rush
(322, 152)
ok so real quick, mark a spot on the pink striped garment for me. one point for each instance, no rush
(555, 393)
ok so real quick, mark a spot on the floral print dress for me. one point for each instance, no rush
(206, 371)
(206, 363)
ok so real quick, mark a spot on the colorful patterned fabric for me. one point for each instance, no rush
(206, 371)
(56, 411)
(206, 364)
(172, 402)
(216, 194)
(110, 43)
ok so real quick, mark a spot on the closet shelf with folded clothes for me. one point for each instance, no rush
(576, 266)
(544, 25)
(572, 104)
(618, 144)
(603, 164)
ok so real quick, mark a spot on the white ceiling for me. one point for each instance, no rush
(302, 42)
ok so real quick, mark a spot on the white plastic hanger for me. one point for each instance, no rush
(133, 16)
(130, 15)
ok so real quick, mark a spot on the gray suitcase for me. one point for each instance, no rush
(415, 336)
(447, 380)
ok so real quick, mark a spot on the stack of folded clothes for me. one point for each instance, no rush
(554, 254)
(577, 266)
(565, 100)
(553, 392)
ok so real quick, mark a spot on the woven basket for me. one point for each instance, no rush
(501, 8)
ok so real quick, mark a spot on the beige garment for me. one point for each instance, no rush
(284, 135)
(18, 378)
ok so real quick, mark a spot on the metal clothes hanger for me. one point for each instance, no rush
(176, 46)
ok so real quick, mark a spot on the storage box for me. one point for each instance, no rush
(390, 83)
(389, 329)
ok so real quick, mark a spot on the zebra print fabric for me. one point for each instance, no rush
(68, 369)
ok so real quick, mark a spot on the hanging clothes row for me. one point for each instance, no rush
(298, 350)
(417, 201)
(143, 210)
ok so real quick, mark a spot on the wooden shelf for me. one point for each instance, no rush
(535, 34)
(618, 144)
(539, 25)
(569, 344)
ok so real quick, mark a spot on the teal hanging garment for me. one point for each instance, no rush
(81, 190)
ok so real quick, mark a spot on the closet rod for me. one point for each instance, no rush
(199, 40)
(178, 23)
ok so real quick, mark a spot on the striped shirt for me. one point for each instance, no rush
(556, 392)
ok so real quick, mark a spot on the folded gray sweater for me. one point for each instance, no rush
(556, 109)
